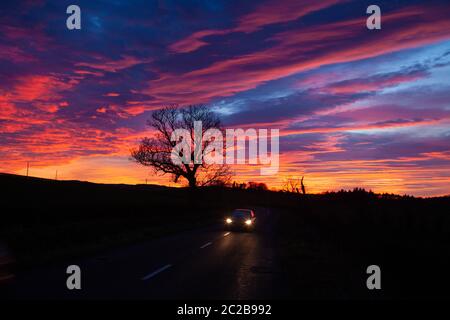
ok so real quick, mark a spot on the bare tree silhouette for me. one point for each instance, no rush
(294, 185)
(156, 151)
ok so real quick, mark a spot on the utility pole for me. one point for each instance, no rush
(56, 175)
(28, 167)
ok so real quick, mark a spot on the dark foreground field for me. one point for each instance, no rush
(305, 247)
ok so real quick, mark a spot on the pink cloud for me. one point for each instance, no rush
(372, 84)
(367, 126)
(268, 13)
(109, 65)
(274, 11)
(297, 51)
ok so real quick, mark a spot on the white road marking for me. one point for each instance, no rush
(205, 245)
(154, 273)
(226, 234)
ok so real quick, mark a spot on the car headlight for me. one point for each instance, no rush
(228, 220)
(248, 222)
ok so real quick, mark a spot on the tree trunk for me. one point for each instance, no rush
(192, 182)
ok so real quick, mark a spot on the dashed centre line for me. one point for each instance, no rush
(205, 245)
(167, 266)
(154, 273)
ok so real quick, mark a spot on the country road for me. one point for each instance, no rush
(207, 263)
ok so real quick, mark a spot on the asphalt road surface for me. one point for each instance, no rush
(207, 263)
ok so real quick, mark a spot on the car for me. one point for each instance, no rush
(241, 218)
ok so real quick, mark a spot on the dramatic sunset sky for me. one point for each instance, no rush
(355, 108)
